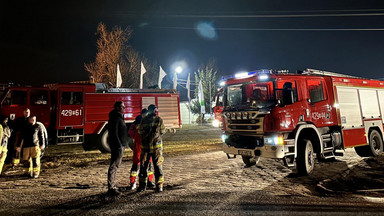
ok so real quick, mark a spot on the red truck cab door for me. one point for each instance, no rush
(70, 107)
(319, 104)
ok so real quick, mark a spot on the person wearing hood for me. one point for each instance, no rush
(118, 139)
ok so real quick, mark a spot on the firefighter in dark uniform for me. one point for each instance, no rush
(118, 140)
(15, 140)
(32, 137)
(151, 130)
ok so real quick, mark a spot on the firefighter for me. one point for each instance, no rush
(5, 133)
(151, 130)
(32, 137)
(118, 140)
(136, 148)
(18, 126)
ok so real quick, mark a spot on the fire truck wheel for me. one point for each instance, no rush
(250, 161)
(102, 143)
(375, 143)
(305, 160)
(374, 148)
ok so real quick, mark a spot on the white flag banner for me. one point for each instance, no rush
(201, 97)
(142, 72)
(162, 74)
(119, 80)
(175, 81)
(188, 86)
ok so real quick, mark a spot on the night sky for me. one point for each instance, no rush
(47, 42)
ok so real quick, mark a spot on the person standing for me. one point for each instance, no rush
(118, 140)
(136, 148)
(5, 133)
(151, 130)
(32, 137)
(15, 140)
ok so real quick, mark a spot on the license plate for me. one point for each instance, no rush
(245, 153)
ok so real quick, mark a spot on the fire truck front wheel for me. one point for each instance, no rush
(305, 161)
(102, 143)
(250, 161)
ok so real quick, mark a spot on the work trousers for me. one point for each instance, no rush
(3, 155)
(136, 164)
(158, 159)
(116, 158)
(31, 155)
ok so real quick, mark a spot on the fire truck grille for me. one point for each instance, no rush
(244, 123)
(247, 142)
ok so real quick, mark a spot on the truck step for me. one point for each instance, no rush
(328, 149)
(338, 153)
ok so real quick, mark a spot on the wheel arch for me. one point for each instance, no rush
(378, 129)
(308, 131)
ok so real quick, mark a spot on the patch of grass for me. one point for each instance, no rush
(187, 140)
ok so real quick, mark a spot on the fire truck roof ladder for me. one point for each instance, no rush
(310, 71)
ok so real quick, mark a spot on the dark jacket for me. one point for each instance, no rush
(151, 129)
(32, 136)
(117, 131)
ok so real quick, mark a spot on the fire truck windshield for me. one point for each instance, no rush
(255, 95)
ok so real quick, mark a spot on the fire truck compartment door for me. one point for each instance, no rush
(71, 110)
(169, 111)
(146, 101)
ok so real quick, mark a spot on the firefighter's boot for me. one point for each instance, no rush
(159, 188)
(132, 180)
(36, 172)
(142, 185)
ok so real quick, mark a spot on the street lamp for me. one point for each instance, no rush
(179, 69)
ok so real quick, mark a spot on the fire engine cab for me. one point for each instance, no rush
(300, 117)
(77, 113)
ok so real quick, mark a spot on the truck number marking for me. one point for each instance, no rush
(316, 115)
(71, 112)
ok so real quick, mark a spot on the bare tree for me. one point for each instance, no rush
(207, 74)
(110, 48)
(113, 49)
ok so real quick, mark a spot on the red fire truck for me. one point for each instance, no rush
(300, 117)
(77, 113)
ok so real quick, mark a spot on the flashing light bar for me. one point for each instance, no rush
(247, 74)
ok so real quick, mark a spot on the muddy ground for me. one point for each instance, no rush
(199, 180)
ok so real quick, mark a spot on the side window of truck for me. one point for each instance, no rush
(284, 89)
(316, 90)
(39, 97)
(16, 97)
(71, 98)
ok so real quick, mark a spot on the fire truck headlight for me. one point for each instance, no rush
(216, 123)
(276, 140)
(222, 83)
(224, 137)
